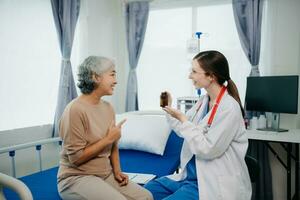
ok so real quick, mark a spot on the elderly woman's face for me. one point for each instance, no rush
(108, 81)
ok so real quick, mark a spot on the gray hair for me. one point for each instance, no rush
(92, 65)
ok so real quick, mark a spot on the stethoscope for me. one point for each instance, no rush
(214, 110)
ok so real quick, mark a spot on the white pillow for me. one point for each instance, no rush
(147, 133)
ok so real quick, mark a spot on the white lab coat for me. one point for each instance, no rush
(221, 169)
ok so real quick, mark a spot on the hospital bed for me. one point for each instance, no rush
(43, 185)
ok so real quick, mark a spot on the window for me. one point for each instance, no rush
(164, 61)
(30, 64)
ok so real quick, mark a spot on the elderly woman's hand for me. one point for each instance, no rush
(176, 114)
(121, 178)
(114, 131)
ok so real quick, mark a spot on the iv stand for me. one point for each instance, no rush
(198, 47)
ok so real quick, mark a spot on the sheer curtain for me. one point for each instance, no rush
(29, 56)
(65, 15)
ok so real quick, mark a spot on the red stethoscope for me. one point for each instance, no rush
(214, 109)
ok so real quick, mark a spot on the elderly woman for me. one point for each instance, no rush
(89, 164)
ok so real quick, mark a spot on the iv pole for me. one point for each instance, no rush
(198, 48)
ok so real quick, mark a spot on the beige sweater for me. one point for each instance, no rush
(81, 125)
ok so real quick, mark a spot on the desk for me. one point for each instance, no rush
(290, 138)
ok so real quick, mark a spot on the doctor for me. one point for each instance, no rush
(215, 143)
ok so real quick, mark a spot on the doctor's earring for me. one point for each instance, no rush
(225, 83)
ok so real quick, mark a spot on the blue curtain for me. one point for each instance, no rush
(248, 17)
(65, 13)
(136, 23)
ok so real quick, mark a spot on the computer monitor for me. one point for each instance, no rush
(276, 94)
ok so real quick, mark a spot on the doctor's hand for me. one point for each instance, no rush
(169, 98)
(176, 114)
(121, 178)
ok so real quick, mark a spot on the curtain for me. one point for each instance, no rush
(136, 23)
(65, 15)
(248, 17)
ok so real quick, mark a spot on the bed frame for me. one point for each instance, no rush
(43, 186)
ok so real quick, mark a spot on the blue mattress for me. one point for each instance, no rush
(44, 187)
(143, 162)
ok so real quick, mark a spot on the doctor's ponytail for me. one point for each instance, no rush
(233, 91)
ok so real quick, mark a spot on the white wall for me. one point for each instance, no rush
(280, 55)
(280, 45)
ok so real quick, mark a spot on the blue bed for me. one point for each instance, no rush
(43, 184)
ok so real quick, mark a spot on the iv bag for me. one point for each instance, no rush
(192, 45)
(192, 48)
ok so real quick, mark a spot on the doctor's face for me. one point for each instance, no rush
(199, 77)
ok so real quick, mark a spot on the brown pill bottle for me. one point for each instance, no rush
(163, 99)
